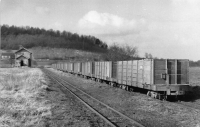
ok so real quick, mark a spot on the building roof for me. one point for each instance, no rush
(7, 54)
(21, 56)
(22, 48)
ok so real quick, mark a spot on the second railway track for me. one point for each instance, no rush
(111, 116)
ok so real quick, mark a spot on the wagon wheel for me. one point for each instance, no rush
(149, 93)
(152, 94)
(164, 97)
(159, 96)
(131, 89)
(100, 80)
(123, 87)
(126, 88)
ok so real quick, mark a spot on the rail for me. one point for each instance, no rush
(109, 119)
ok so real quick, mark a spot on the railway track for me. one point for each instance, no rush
(111, 116)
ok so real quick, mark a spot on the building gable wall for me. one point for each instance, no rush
(24, 53)
(23, 57)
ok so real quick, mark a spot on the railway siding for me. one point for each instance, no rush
(68, 111)
(108, 114)
(138, 106)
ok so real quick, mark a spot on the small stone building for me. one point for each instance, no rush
(23, 57)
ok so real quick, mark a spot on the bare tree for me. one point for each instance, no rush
(148, 55)
(117, 52)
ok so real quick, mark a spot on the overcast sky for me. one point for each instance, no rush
(164, 28)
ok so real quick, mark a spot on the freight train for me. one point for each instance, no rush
(161, 78)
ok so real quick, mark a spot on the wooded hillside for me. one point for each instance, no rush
(13, 36)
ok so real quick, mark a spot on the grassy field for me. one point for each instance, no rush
(28, 98)
(22, 100)
(195, 82)
(195, 76)
(63, 54)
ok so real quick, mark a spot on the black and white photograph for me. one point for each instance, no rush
(100, 63)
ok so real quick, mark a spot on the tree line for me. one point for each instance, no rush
(13, 36)
(30, 37)
(195, 63)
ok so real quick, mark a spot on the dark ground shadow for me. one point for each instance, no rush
(193, 95)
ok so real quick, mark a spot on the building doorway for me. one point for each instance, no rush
(29, 62)
(21, 63)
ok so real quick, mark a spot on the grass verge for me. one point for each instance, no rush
(22, 98)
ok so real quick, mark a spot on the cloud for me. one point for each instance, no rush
(42, 10)
(109, 24)
(186, 10)
(190, 2)
(186, 14)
